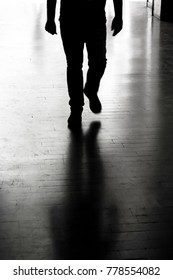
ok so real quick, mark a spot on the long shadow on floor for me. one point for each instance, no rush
(82, 226)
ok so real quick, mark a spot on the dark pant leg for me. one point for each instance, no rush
(96, 47)
(73, 44)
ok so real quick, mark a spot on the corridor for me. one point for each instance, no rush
(106, 193)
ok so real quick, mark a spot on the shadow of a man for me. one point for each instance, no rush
(81, 227)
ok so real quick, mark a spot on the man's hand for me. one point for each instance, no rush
(117, 25)
(51, 27)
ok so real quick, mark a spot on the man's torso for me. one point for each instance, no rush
(83, 10)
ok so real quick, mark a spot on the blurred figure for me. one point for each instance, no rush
(83, 22)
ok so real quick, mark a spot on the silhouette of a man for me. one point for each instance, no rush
(83, 22)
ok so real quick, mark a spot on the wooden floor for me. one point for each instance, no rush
(108, 192)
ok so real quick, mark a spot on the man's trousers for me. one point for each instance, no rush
(74, 37)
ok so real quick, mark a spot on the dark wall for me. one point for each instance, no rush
(166, 10)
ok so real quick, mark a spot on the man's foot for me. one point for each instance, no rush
(95, 104)
(75, 120)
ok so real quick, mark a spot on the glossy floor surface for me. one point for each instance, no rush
(108, 192)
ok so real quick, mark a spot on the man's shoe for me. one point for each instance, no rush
(75, 120)
(95, 104)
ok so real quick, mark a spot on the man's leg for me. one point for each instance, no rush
(73, 46)
(96, 47)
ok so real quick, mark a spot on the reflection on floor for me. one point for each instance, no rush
(107, 192)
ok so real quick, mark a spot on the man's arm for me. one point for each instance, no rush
(51, 11)
(117, 22)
